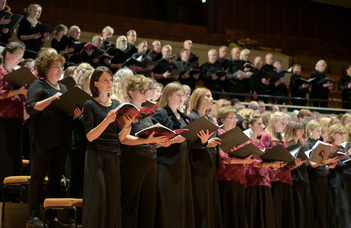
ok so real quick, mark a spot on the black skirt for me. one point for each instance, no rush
(303, 205)
(10, 148)
(138, 197)
(320, 199)
(233, 205)
(259, 207)
(283, 204)
(101, 197)
(175, 208)
(207, 209)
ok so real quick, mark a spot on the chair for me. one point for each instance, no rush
(62, 204)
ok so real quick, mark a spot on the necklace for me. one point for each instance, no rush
(54, 85)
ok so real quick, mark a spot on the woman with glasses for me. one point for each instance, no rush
(12, 100)
(294, 133)
(138, 165)
(50, 134)
(231, 176)
(174, 191)
(338, 192)
(281, 179)
(204, 159)
(28, 31)
(259, 201)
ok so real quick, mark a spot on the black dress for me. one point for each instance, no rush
(303, 204)
(338, 195)
(102, 185)
(318, 178)
(203, 162)
(174, 190)
(138, 181)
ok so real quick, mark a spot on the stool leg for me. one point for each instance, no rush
(75, 217)
(3, 207)
(45, 217)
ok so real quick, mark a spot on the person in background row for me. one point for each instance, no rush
(321, 86)
(12, 102)
(60, 31)
(345, 87)
(27, 31)
(299, 87)
(107, 34)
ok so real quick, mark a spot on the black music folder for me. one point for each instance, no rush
(200, 124)
(20, 77)
(72, 99)
(231, 138)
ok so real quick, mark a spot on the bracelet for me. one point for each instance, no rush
(127, 127)
(205, 144)
(272, 167)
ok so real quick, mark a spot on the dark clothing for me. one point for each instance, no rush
(318, 178)
(94, 114)
(318, 91)
(280, 90)
(154, 56)
(174, 177)
(184, 67)
(102, 185)
(32, 45)
(234, 84)
(257, 85)
(50, 140)
(107, 44)
(138, 181)
(215, 85)
(145, 62)
(77, 159)
(55, 44)
(297, 90)
(346, 92)
(50, 127)
(164, 65)
(203, 162)
(130, 50)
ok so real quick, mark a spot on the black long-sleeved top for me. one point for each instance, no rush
(318, 91)
(296, 86)
(26, 28)
(207, 70)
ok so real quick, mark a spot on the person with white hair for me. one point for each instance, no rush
(321, 85)
(107, 34)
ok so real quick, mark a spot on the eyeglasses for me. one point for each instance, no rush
(340, 133)
(58, 67)
(145, 91)
(232, 118)
(300, 129)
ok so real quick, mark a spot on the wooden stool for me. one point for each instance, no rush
(12, 181)
(19, 180)
(61, 204)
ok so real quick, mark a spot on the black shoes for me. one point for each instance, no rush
(55, 223)
(50, 223)
(34, 223)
